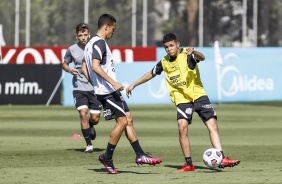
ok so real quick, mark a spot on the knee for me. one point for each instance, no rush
(83, 114)
(182, 127)
(129, 119)
(129, 122)
(122, 123)
(212, 124)
(95, 118)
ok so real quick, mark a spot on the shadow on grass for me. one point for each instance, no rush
(83, 149)
(203, 169)
(103, 171)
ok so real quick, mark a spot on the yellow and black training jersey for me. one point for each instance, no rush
(182, 77)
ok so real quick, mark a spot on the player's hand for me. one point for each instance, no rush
(128, 91)
(118, 87)
(73, 72)
(190, 50)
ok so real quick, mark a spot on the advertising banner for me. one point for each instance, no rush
(31, 75)
(241, 75)
(33, 55)
(55, 55)
(244, 75)
(30, 84)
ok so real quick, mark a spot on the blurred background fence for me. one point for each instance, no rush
(143, 22)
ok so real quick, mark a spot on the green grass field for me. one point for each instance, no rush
(36, 146)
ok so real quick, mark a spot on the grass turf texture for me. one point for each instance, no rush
(36, 146)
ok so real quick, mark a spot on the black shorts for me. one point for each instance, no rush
(202, 106)
(87, 99)
(114, 105)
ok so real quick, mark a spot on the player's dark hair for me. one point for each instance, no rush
(81, 27)
(169, 37)
(106, 19)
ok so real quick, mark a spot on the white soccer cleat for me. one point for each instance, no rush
(89, 149)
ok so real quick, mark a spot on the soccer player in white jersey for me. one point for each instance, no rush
(101, 73)
(83, 93)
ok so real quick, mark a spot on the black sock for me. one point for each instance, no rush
(188, 161)
(222, 154)
(137, 148)
(110, 150)
(86, 134)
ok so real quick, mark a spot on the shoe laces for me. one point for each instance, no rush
(144, 156)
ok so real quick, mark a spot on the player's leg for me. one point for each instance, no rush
(95, 109)
(130, 131)
(184, 118)
(185, 145)
(214, 133)
(93, 120)
(94, 117)
(141, 156)
(85, 128)
(183, 137)
(106, 158)
(215, 140)
(81, 103)
(113, 110)
(208, 114)
(115, 107)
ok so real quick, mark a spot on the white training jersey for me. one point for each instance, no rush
(97, 48)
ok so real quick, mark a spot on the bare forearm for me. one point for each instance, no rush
(198, 55)
(84, 70)
(102, 74)
(66, 67)
(148, 76)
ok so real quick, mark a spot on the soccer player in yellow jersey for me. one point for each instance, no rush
(187, 93)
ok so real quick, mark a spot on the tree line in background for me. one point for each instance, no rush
(52, 22)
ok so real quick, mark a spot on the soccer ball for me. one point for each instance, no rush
(212, 157)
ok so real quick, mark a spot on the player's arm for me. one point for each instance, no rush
(85, 71)
(194, 57)
(67, 59)
(97, 69)
(68, 69)
(197, 55)
(148, 76)
(100, 47)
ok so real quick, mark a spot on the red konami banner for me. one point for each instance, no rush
(55, 54)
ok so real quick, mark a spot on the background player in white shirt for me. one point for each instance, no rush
(101, 73)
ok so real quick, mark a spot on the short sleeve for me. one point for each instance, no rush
(68, 57)
(99, 49)
(192, 62)
(158, 68)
